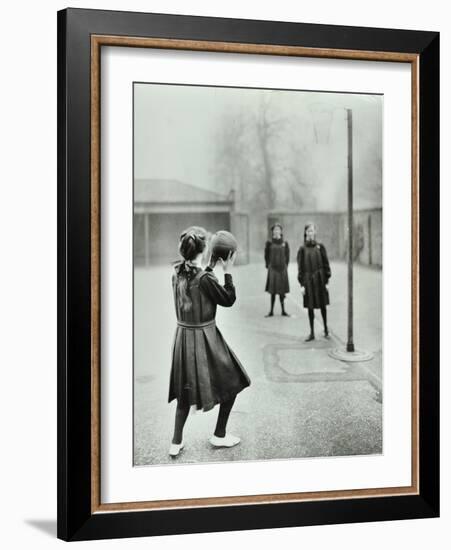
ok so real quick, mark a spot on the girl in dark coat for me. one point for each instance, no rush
(204, 371)
(277, 257)
(313, 275)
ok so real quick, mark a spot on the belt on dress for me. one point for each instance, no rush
(196, 325)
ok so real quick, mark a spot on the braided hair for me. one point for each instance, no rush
(193, 241)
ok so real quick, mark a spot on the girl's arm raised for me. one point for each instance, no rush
(222, 295)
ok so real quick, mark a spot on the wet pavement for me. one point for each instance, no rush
(301, 402)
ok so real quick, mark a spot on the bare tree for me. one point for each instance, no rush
(258, 156)
(267, 127)
(299, 177)
(230, 164)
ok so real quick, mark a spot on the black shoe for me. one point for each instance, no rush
(326, 334)
(310, 338)
(285, 314)
(270, 314)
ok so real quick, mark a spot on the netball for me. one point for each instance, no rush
(222, 243)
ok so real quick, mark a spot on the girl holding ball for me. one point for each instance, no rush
(205, 372)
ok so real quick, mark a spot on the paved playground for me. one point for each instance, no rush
(301, 402)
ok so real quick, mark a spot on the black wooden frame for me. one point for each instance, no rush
(75, 520)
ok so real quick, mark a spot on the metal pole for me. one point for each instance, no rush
(350, 343)
(340, 353)
(146, 239)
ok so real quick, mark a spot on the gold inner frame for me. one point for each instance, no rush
(97, 41)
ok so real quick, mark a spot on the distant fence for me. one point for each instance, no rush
(333, 232)
(367, 236)
(156, 234)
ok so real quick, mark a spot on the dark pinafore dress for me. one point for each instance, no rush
(204, 371)
(314, 274)
(277, 258)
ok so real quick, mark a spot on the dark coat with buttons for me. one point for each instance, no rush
(314, 274)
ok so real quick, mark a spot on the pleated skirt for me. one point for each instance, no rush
(204, 370)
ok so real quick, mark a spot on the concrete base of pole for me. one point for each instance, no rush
(355, 356)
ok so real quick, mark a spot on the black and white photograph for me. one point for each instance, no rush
(225, 251)
(257, 267)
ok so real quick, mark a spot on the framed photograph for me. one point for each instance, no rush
(248, 251)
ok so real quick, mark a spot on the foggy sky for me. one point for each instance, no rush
(175, 127)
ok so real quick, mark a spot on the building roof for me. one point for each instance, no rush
(174, 191)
